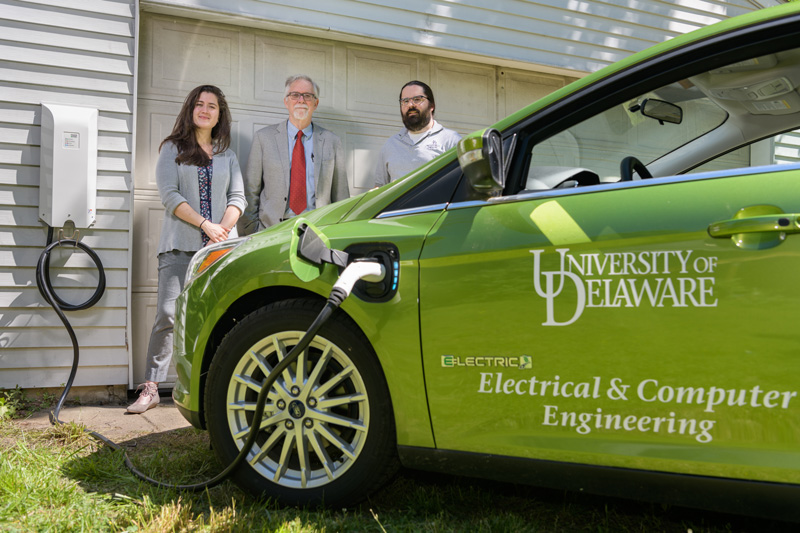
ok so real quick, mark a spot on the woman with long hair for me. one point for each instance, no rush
(201, 187)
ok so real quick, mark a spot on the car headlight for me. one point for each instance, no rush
(211, 254)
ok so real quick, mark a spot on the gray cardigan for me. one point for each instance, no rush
(179, 183)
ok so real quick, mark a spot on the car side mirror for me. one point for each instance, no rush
(308, 250)
(481, 158)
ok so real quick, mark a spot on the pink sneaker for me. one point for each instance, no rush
(147, 399)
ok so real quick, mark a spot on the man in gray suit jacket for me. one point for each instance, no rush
(271, 191)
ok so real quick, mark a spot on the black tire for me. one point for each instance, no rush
(338, 409)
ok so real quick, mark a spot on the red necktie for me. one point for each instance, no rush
(297, 185)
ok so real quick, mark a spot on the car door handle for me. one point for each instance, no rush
(783, 223)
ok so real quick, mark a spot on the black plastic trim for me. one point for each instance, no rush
(435, 191)
(754, 498)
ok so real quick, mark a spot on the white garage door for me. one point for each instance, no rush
(359, 87)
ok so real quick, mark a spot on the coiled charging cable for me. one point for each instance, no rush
(59, 305)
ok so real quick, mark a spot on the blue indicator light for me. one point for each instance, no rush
(396, 274)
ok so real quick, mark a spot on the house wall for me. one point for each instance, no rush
(787, 148)
(555, 36)
(75, 53)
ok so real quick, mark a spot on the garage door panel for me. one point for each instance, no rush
(278, 58)
(147, 220)
(362, 144)
(522, 88)
(465, 94)
(374, 80)
(153, 123)
(185, 55)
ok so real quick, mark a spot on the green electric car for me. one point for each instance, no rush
(596, 293)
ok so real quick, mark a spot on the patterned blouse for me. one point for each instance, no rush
(204, 175)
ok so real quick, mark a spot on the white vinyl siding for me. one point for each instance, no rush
(556, 35)
(77, 53)
(787, 147)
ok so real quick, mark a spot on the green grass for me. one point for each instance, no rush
(61, 480)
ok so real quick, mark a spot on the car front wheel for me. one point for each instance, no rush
(327, 435)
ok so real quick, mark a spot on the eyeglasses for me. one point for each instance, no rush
(416, 100)
(301, 96)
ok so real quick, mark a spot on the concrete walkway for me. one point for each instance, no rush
(113, 421)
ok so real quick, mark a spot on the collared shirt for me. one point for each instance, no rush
(308, 146)
(400, 155)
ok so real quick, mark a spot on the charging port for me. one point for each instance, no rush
(388, 256)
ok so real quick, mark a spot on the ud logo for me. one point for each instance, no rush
(672, 278)
(553, 285)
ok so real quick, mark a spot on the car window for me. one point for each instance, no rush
(599, 144)
(435, 191)
(729, 117)
(775, 150)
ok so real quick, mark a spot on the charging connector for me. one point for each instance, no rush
(386, 254)
(366, 269)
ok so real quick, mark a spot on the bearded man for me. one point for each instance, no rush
(295, 165)
(421, 140)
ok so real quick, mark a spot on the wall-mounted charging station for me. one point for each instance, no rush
(67, 192)
(68, 165)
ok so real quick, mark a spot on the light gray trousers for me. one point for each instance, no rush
(171, 279)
